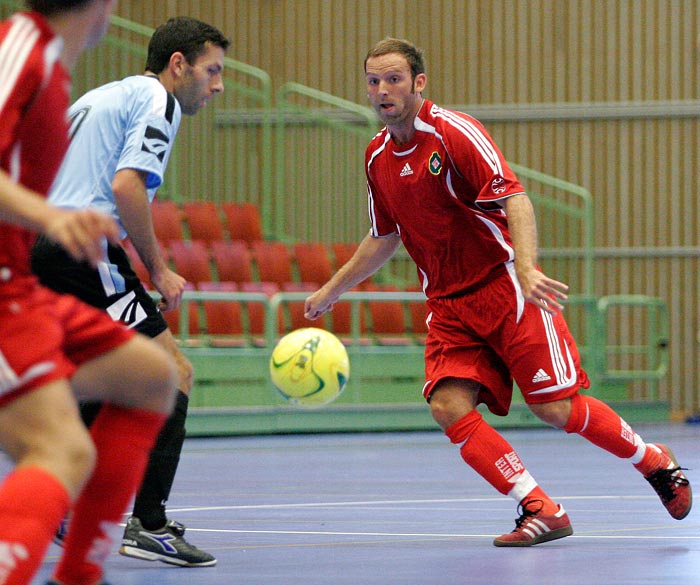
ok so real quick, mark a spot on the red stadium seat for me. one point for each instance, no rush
(274, 262)
(244, 221)
(167, 221)
(256, 310)
(202, 218)
(224, 318)
(388, 320)
(233, 260)
(191, 260)
(313, 262)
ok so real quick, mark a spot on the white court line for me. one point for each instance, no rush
(445, 535)
(391, 502)
(431, 534)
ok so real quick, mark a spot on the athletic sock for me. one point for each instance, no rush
(123, 438)
(652, 460)
(492, 457)
(32, 504)
(149, 506)
(601, 425)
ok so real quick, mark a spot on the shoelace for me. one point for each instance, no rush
(527, 511)
(664, 482)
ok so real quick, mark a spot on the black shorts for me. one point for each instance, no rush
(114, 288)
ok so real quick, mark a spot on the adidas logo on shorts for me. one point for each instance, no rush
(541, 376)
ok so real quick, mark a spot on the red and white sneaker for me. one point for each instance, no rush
(671, 484)
(533, 527)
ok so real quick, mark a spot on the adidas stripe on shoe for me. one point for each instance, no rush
(533, 527)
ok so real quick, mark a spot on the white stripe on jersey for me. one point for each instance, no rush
(370, 208)
(378, 151)
(370, 197)
(473, 134)
(14, 51)
(519, 297)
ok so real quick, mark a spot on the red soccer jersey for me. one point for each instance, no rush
(442, 193)
(34, 98)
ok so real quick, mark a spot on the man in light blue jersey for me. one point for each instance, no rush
(122, 135)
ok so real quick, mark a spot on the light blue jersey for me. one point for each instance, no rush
(127, 124)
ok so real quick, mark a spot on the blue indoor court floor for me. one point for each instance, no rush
(403, 509)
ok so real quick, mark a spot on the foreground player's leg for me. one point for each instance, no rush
(42, 432)
(492, 457)
(452, 405)
(137, 400)
(123, 438)
(602, 426)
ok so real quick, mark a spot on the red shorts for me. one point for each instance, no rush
(45, 336)
(493, 336)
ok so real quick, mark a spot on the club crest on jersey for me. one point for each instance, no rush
(498, 185)
(435, 164)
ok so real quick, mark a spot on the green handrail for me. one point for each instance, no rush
(584, 212)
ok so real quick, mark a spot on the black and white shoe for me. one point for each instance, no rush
(167, 545)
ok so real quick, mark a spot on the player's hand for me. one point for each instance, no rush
(171, 286)
(81, 232)
(543, 291)
(318, 304)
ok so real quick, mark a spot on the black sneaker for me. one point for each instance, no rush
(167, 545)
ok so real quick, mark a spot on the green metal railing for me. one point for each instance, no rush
(600, 354)
(569, 229)
(319, 154)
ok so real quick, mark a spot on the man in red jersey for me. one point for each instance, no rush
(54, 348)
(437, 182)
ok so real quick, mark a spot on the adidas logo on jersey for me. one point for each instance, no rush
(406, 170)
(541, 376)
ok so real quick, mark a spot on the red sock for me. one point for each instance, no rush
(123, 439)
(492, 457)
(601, 425)
(32, 504)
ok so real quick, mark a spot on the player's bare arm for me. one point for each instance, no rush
(129, 188)
(537, 288)
(79, 232)
(369, 257)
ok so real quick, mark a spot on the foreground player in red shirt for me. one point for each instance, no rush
(53, 347)
(437, 182)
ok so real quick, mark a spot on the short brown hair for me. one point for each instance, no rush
(413, 55)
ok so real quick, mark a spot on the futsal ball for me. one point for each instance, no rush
(309, 367)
